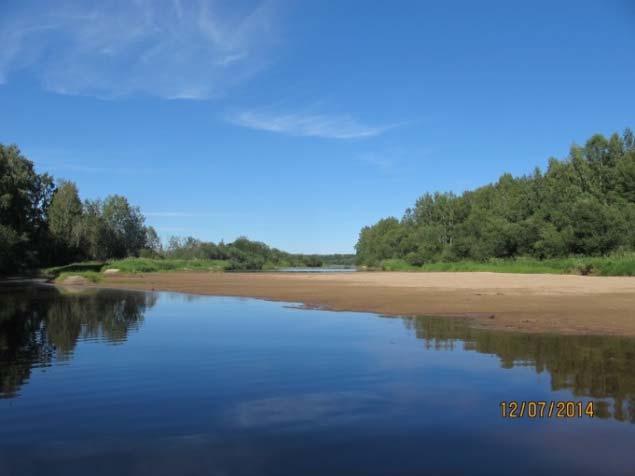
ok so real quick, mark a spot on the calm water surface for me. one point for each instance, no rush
(114, 382)
(332, 269)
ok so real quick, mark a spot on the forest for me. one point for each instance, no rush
(582, 205)
(44, 223)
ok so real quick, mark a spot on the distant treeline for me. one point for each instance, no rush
(245, 254)
(582, 205)
(43, 223)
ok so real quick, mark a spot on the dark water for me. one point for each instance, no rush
(159, 384)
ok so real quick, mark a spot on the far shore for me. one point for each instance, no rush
(519, 302)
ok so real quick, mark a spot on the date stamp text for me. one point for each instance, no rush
(546, 409)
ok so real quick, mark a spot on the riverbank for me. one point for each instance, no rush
(524, 302)
(619, 264)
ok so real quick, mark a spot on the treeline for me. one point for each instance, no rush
(43, 223)
(245, 254)
(582, 205)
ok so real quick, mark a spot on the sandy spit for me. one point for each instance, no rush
(523, 302)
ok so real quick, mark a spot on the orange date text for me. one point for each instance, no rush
(546, 409)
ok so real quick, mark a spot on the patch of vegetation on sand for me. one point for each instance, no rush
(75, 268)
(91, 271)
(78, 278)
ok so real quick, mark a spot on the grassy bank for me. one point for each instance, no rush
(617, 265)
(94, 271)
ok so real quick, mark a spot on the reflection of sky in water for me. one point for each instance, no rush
(307, 410)
(243, 386)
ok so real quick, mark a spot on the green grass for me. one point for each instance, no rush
(148, 265)
(615, 265)
(622, 264)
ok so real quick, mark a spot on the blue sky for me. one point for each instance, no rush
(297, 123)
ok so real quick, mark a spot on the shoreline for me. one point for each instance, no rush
(517, 302)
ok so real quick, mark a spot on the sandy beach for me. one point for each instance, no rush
(524, 302)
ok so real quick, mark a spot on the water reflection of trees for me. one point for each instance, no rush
(597, 367)
(41, 324)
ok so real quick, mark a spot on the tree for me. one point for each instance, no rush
(64, 219)
(93, 232)
(152, 241)
(24, 200)
(11, 244)
(380, 241)
(126, 232)
(65, 213)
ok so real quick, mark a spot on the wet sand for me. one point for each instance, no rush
(525, 302)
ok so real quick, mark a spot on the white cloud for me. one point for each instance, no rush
(311, 125)
(108, 48)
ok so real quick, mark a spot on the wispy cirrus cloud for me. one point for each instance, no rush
(307, 124)
(107, 48)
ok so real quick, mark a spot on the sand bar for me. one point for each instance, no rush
(525, 302)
